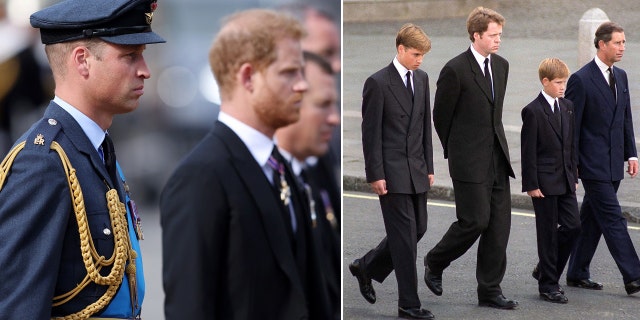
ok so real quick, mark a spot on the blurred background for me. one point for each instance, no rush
(181, 98)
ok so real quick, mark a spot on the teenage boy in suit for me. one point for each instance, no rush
(550, 177)
(398, 157)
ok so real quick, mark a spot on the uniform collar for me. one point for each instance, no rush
(90, 127)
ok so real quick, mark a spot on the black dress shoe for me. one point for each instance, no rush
(433, 281)
(585, 284)
(555, 297)
(364, 282)
(498, 302)
(536, 275)
(632, 287)
(414, 313)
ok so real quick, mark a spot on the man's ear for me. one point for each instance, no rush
(80, 57)
(245, 73)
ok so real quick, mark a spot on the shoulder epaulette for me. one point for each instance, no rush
(42, 135)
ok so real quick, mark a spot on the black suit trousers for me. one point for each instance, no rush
(483, 211)
(405, 221)
(557, 229)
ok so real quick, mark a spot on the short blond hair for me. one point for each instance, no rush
(412, 36)
(249, 36)
(479, 19)
(553, 68)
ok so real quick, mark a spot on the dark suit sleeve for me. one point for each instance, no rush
(428, 144)
(576, 93)
(194, 240)
(35, 207)
(447, 93)
(372, 113)
(528, 144)
(629, 138)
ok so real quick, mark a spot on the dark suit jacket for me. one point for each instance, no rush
(396, 135)
(548, 153)
(466, 117)
(604, 127)
(226, 253)
(39, 251)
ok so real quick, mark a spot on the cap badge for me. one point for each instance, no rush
(149, 15)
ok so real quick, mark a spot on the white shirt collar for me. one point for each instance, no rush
(480, 58)
(401, 70)
(603, 68)
(550, 100)
(258, 144)
(90, 127)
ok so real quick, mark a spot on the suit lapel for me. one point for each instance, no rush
(601, 83)
(268, 208)
(418, 94)
(546, 108)
(478, 75)
(620, 87)
(398, 89)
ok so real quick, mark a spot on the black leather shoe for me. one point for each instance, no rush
(632, 287)
(364, 282)
(498, 302)
(555, 297)
(585, 284)
(433, 281)
(536, 275)
(414, 313)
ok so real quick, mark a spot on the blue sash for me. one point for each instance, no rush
(120, 306)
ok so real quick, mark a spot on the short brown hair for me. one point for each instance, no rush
(412, 36)
(249, 36)
(604, 32)
(479, 19)
(57, 53)
(553, 68)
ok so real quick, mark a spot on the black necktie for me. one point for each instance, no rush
(409, 84)
(110, 158)
(612, 82)
(556, 114)
(487, 75)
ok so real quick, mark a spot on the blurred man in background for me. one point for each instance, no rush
(301, 143)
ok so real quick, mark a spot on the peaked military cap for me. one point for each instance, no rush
(126, 22)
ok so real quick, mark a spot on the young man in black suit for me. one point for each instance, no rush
(550, 176)
(396, 140)
(467, 115)
(236, 228)
(604, 126)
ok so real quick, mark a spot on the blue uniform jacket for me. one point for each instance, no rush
(39, 242)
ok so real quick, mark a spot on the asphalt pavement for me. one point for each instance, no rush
(459, 299)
